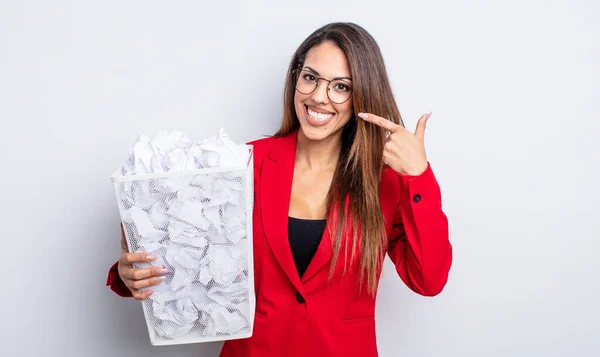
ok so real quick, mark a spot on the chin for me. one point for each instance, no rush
(315, 134)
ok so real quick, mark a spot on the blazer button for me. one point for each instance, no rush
(299, 298)
(416, 198)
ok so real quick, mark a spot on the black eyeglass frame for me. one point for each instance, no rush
(296, 72)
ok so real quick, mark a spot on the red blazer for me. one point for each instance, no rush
(313, 316)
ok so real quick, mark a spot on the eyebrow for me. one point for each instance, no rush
(317, 73)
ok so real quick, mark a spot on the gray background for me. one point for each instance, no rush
(513, 140)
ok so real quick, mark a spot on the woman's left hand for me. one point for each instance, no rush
(403, 151)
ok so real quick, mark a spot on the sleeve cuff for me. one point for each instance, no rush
(423, 189)
(116, 284)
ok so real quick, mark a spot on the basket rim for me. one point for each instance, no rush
(118, 177)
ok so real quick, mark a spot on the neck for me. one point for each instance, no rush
(318, 155)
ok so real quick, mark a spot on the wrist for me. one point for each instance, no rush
(416, 171)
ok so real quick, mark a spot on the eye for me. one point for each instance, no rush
(341, 87)
(308, 77)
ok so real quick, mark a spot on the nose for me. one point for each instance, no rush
(320, 93)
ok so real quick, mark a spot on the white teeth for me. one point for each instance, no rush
(319, 116)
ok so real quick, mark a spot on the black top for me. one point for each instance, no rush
(304, 236)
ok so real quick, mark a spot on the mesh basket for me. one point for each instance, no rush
(199, 226)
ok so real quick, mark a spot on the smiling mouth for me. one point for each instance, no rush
(318, 116)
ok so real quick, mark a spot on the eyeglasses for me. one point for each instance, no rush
(338, 90)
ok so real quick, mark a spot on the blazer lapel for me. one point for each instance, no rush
(276, 189)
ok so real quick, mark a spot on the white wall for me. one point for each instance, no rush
(514, 89)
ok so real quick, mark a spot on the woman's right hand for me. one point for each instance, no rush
(136, 279)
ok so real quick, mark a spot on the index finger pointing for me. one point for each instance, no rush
(379, 121)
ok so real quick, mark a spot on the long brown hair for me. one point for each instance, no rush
(355, 185)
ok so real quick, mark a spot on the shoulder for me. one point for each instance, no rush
(262, 147)
(275, 147)
(262, 144)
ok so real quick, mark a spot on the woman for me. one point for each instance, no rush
(340, 185)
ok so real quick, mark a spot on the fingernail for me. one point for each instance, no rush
(162, 271)
(429, 115)
(363, 115)
(150, 291)
(161, 278)
(151, 257)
